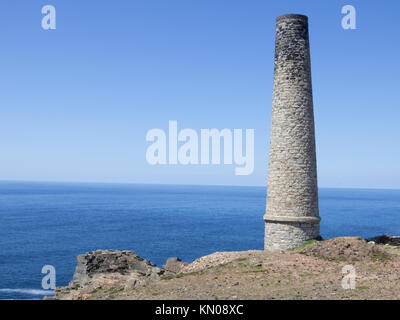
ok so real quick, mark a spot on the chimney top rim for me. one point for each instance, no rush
(292, 16)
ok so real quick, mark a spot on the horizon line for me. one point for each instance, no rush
(181, 184)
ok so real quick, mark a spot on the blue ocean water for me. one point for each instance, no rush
(51, 223)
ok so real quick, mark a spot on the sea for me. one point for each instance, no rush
(45, 224)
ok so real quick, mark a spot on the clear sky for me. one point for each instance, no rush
(76, 102)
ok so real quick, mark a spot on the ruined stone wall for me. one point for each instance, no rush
(292, 197)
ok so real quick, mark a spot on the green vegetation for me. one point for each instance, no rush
(177, 276)
(167, 277)
(116, 290)
(306, 274)
(96, 290)
(256, 269)
(380, 256)
(362, 288)
(260, 269)
(305, 244)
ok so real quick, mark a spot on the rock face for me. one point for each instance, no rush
(111, 261)
(292, 196)
(386, 239)
(174, 265)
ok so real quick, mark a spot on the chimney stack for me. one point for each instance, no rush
(292, 215)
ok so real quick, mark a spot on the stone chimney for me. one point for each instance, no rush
(292, 216)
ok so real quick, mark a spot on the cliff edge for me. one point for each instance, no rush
(312, 271)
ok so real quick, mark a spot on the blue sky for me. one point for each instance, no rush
(76, 102)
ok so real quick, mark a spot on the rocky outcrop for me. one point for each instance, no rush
(174, 265)
(111, 261)
(111, 271)
(386, 239)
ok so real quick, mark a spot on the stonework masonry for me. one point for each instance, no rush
(292, 215)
